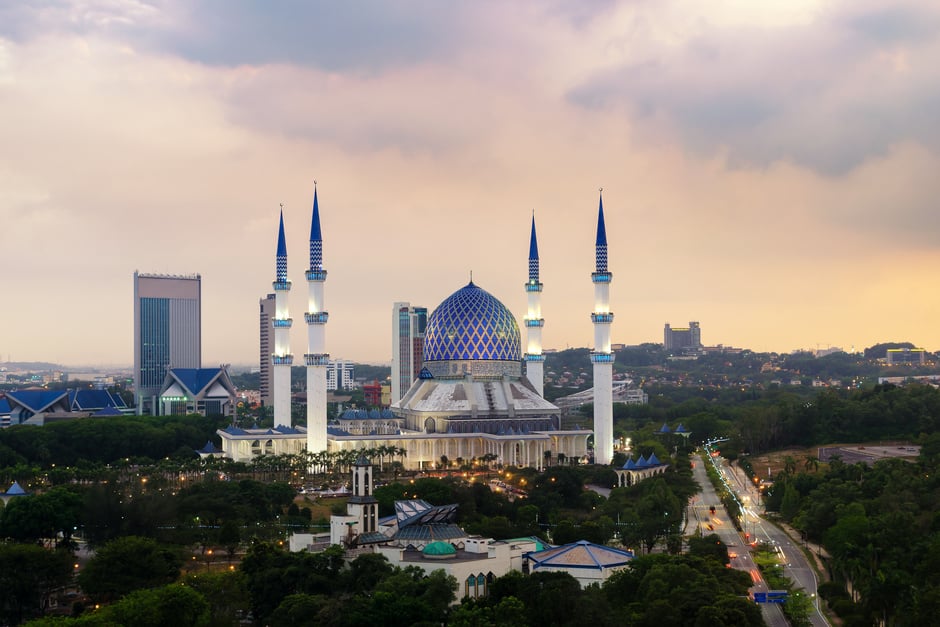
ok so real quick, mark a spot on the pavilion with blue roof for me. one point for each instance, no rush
(634, 471)
(15, 490)
(587, 562)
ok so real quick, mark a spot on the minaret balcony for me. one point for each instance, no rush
(601, 277)
(602, 358)
(282, 360)
(282, 323)
(316, 275)
(534, 323)
(602, 318)
(316, 317)
(281, 286)
(533, 357)
(317, 359)
(533, 286)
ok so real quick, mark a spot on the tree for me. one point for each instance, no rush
(166, 605)
(128, 564)
(28, 573)
(226, 592)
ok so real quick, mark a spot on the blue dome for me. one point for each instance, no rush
(472, 325)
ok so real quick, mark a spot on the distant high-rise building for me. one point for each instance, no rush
(340, 375)
(916, 356)
(681, 338)
(268, 309)
(167, 331)
(408, 328)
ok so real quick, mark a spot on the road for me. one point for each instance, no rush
(796, 565)
(721, 525)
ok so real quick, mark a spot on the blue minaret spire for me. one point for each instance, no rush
(602, 357)
(533, 319)
(600, 246)
(316, 239)
(533, 255)
(316, 358)
(280, 273)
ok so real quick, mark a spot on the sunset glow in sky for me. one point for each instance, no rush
(771, 169)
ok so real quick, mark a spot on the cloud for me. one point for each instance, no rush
(827, 94)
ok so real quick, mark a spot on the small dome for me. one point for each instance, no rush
(471, 324)
(438, 550)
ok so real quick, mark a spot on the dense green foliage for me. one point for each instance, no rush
(27, 574)
(879, 524)
(127, 564)
(779, 419)
(105, 440)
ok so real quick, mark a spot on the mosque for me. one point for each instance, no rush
(477, 395)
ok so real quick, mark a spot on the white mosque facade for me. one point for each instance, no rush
(475, 396)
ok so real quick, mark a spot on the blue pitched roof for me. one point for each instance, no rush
(209, 448)
(630, 465)
(681, 429)
(37, 400)
(582, 554)
(4, 405)
(108, 411)
(16, 490)
(93, 399)
(195, 379)
(232, 430)
(664, 429)
(653, 460)
(601, 228)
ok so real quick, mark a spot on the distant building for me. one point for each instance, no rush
(372, 393)
(167, 331)
(203, 391)
(38, 406)
(588, 563)
(267, 310)
(408, 330)
(906, 356)
(339, 375)
(682, 338)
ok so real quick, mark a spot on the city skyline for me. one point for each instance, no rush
(768, 170)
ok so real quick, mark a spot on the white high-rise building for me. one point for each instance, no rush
(340, 375)
(601, 356)
(266, 344)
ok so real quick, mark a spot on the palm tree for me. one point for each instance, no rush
(811, 462)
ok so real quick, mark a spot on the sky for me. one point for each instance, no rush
(769, 169)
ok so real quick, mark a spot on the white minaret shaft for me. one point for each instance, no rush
(534, 359)
(316, 358)
(282, 359)
(601, 357)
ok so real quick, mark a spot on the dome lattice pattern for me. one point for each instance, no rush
(472, 324)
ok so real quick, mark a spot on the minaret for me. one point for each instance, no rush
(363, 505)
(316, 358)
(281, 359)
(534, 359)
(601, 356)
